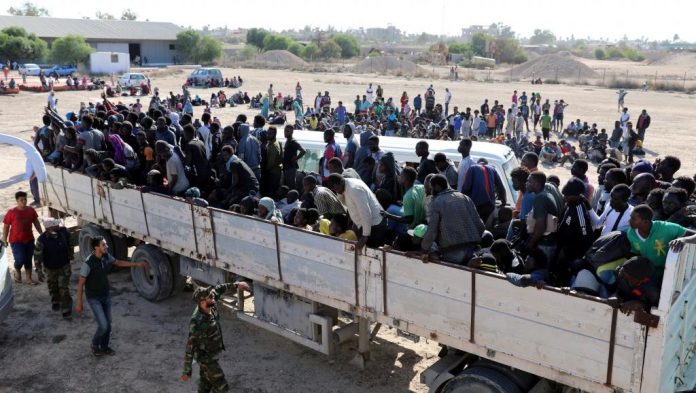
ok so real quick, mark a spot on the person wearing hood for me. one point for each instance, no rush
(352, 145)
(268, 210)
(389, 173)
(361, 154)
(249, 150)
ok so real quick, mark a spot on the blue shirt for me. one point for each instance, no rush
(527, 204)
(341, 113)
(395, 226)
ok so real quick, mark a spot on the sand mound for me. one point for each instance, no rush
(278, 59)
(676, 59)
(561, 65)
(388, 65)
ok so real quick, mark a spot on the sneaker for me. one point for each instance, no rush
(96, 351)
(55, 307)
(109, 351)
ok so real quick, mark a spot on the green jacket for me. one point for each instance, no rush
(205, 335)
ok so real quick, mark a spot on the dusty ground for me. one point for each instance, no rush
(43, 353)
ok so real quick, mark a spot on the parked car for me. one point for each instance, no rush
(58, 70)
(132, 79)
(206, 77)
(30, 69)
(6, 295)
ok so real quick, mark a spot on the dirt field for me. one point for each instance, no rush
(43, 353)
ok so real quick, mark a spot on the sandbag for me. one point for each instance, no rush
(608, 248)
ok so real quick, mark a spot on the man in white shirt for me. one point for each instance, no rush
(448, 98)
(363, 207)
(176, 175)
(616, 217)
(370, 94)
(465, 163)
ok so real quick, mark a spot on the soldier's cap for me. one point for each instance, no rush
(201, 293)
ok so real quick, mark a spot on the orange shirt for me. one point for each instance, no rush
(491, 120)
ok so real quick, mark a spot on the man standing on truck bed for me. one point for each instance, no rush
(205, 338)
(93, 278)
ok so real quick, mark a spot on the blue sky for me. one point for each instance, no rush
(609, 19)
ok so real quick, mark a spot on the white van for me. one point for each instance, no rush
(404, 149)
(132, 79)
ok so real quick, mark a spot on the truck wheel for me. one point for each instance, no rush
(155, 283)
(480, 380)
(89, 232)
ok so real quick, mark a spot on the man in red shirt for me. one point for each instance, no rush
(17, 225)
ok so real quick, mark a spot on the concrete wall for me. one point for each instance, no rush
(157, 51)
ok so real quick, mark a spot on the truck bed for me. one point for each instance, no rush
(573, 339)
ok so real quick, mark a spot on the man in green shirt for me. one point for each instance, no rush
(95, 283)
(414, 210)
(546, 125)
(652, 239)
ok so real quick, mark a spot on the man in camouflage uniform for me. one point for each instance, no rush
(205, 338)
(52, 256)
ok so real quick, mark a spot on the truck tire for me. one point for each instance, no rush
(89, 232)
(480, 380)
(155, 283)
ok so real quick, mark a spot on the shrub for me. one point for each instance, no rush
(71, 49)
(599, 54)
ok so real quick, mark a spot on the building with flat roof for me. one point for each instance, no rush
(151, 42)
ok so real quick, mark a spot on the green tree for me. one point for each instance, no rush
(276, 42)
(70, 49)
(311, 51)
(295, 48)
(330, 49)
(247, 52)
(348, 43)
(463, 48)
(255, 36)
(104, 16)
(28, 9)
(17, 44)
(128, 14)
(186, 42)
(542, 37)
(196, 48)
(479, 44)
(599, 54)
(208, 49)
(508, 50)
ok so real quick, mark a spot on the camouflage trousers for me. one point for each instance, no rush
(58, 281)
(212, 378)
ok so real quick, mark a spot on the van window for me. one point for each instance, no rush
(310, 161)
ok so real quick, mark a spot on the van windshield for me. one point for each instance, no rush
(508, 166)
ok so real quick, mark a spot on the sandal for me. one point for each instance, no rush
(17, 280)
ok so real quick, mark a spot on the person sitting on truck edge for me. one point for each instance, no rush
(364, 209)
(205, 343)
(453, 223)
(53, 254)
(535, 271)
(652, 239)
(95, 284)
(635, 289)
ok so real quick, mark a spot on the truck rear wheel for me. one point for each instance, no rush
(481, 380)
(89, 232)
(156, 282)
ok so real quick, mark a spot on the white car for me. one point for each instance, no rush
(6, 296)
(132, 79)
(30, 69)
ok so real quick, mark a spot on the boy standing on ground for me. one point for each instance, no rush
(95, 284)
(17, 226)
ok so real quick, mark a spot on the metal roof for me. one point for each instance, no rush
(93, 29)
